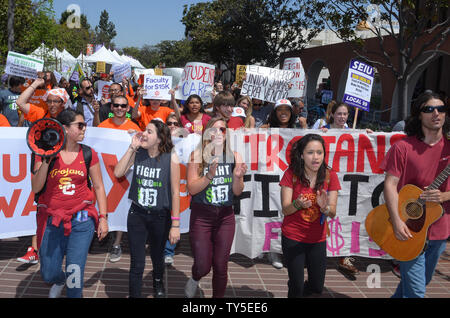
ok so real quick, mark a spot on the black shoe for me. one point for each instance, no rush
(158, 289)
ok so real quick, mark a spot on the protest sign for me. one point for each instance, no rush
(298, 88)
(354, 155)
(158, 71)
(327, 96)
(267, 84)
(175, 73)
(240, 74)
(23, 65)
(100, 67)
(121, 71)
(197, 78)
(157, 87)
(358, 89)
(57, 76)
(103, 90)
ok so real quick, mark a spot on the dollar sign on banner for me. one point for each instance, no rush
(336, 241)
(209, 195)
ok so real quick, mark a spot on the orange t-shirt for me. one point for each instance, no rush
(4, 121)
(35, 113)
(147, 115)
(128, 124)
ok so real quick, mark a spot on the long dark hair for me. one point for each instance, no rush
(188, 100)
(413, 124)
(163, 133)
(298, 164)
(274, 122)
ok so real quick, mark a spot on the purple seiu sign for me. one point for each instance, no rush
(358, 90)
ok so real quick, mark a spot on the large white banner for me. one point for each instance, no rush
(353, 154)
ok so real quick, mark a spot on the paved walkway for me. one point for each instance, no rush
(247, 278)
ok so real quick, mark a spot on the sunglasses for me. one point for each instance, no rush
(172, 123)
(80, 125)
(120, 105)
(223, 130)
(87, 88)
(430, 109)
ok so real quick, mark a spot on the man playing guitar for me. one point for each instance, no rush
(417, 160)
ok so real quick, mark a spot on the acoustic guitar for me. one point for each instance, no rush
(415, 212)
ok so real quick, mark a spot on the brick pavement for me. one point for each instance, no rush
(247, 278)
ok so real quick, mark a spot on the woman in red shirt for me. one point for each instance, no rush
(309, 192)
(67, 216)
(193, 117)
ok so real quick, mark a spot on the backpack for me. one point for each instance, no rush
(87, 155)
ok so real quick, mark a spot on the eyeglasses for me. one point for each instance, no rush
(172, 123)
(120, 105)
(429, 109)
(80, 125)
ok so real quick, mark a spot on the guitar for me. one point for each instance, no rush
(415, 212)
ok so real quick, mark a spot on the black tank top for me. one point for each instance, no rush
(150, 187)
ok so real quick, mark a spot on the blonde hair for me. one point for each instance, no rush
(249, 110)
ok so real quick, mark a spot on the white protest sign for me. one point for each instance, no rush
(197, 78)
(57, 76)
(121, 71)
(23, 65)
(103, 90)
(175, 73)
(298, 88)
(157, 87)
(358, 89)
(267, 84)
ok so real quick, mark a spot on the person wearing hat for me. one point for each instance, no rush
(282, 115)
(56, 100)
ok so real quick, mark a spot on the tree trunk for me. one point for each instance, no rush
(402, 99)
(10, 24)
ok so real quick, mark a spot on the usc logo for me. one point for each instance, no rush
(67, 187)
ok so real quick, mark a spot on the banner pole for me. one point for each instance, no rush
(356, 118)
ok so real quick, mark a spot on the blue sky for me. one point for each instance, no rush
(137, 22)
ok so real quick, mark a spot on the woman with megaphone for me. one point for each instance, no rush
(68, 217)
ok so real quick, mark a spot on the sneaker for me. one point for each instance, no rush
(158, 288)
(168, 260)
(345, 263)
(31, 257)
(191, 288)
(275, 259)
(116, 253)
(55, 291)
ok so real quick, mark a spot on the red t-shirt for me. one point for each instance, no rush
(304, 225)
(198, 126)
(236, 123)
(66, 193)
(418, 163)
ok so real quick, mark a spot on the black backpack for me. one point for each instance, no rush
(87, 155)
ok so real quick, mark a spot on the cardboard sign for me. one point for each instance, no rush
(23, 65)
(157, 87)
(358, 89)
(267, 84)
(197, 78)
(101, 67)
(298, 88)
(121, 71)
(240, 74)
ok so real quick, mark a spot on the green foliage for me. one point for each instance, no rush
(105, 31)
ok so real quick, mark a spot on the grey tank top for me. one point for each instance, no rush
(150, 187)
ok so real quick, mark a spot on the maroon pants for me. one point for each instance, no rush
(211, 232)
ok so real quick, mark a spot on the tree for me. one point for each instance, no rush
(105, 31)
(11, 8)
(423, 26)
(245, 31)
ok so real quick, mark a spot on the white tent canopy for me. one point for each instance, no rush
(103, 55)
(43, 52)
(134, 63)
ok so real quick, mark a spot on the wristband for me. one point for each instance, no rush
(103, 216)
(175, 218)
(294, 203)
(175, 226)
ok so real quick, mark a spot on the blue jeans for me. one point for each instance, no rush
(169, 249)
(75, 247)
(417, 273)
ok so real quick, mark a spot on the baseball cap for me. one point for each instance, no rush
(282, 102)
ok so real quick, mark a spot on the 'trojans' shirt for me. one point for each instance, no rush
(415, 162)
(304, 225)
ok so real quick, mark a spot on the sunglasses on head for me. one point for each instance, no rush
(120, 105)
(429, 109)
(172, 123)
(80, 125)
